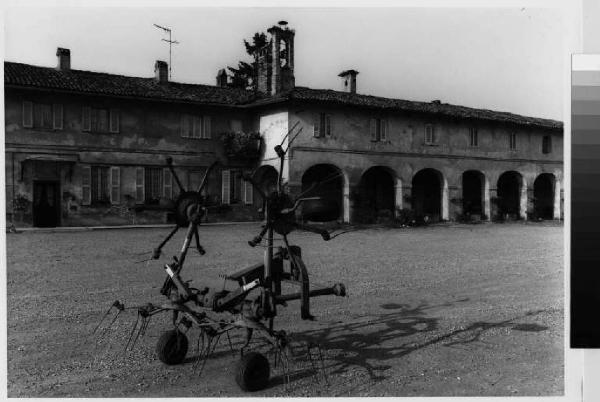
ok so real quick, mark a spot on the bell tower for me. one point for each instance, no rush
(275, 61)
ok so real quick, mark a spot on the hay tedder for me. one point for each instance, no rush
(252, 306)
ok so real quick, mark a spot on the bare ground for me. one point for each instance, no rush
(448, 310)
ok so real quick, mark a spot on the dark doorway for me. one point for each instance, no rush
(509, 195)
(427, 194)
(46, 204)
(376, 195)
(325, 181)
(473, 184)
(543, 196)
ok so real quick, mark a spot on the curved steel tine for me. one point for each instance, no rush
(131, 333)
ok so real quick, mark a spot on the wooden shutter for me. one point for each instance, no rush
(373, 128)
(115, 185)
(317, 126)
(196, 126)
(139, 185)
(384, 129)
(86, 119)
(57, 116)
(248, 193)
(114, 121)
(206, 131)
(167, 184)
(225, 187)
(27, 114)
(328, 125)
(86, 183)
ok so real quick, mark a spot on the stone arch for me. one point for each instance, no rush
(544, 196)
(376, 195)
(475, 194)
(512, 196)
(331, 184)
(430, 194)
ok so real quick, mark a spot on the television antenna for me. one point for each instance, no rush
(170, 42)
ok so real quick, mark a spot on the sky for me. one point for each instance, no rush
(508, 59)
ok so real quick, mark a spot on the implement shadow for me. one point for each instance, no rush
(369, 343)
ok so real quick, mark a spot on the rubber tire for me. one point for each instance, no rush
(172, 347)
(253, 372)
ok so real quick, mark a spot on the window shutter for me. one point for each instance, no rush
(206, 130)
(114, 121)
(57, 116)
(196, 126)
(317, 126)
(167, 184)
(183, 126)
(384, 129)
(86, 182)
(115, 185)
(139, 185)
(225, 187)
(373, 127)
(27, 114)
(328, 125)
(86, 119)
(248, 193)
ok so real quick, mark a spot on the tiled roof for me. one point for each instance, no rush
(25, 75)
(118, 85)
(345, 98)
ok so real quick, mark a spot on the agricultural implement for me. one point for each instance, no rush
(252, 306)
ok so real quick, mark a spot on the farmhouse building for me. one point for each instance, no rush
(84, 147)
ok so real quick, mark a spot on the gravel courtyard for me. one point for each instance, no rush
(445, 310)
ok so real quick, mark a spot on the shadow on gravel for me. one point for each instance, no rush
(374, 341)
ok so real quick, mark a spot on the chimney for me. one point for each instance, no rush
(161, 71)
(348, 80)
(64, 59)
(222, 78)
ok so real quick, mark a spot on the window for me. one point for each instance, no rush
(512, 141)
(42, 115)
(234, 189)
(193, 126)
(100, 193)
(430, 137)
(139, 185)
(547, 144)
(235, 126)
(153, 185)
(100, 120)
(473, 137)
(115, 185)
(378, 130)
(322, 125)
(167, 184)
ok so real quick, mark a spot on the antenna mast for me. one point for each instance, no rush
(170, 42)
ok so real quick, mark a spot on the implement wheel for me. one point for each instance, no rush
(172, 347)
(253, 372)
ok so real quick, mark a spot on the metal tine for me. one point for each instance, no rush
(229, 340)
(131, 333)
(203, 352)
(312, 363)
(213, 342)
(322, 364)
(102, 319)
(104, 331)
(140, 330)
